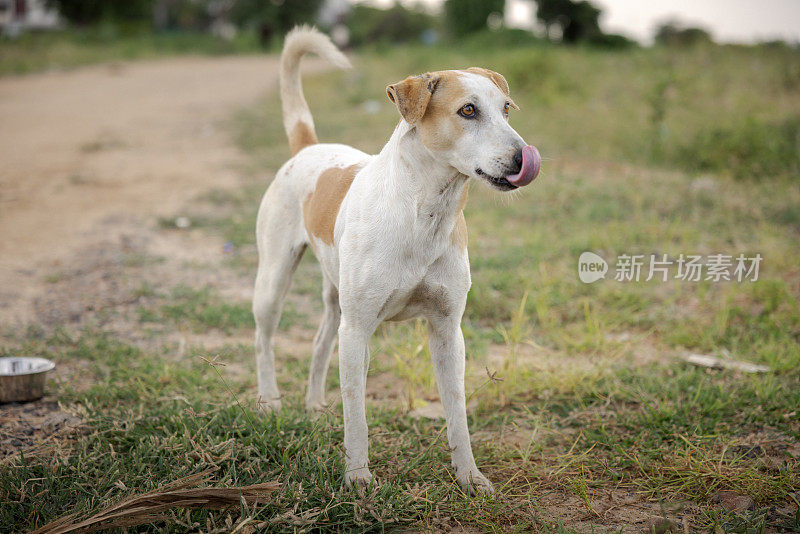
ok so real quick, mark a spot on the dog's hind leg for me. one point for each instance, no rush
(323, 346)
(278, 259)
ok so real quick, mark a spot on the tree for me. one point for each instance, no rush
(396, 24)
(673, 33)
(468, 16)
(86, 12)
(270, 17)
(577, 21)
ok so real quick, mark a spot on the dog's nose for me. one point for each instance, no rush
(518, 159)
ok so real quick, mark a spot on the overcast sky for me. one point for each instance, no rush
(728, 20)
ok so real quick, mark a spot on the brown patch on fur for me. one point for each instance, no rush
(322, 206)
(464, 194)
(431, 102)
(411, 96)
(302, 136)
(440, 126)
(498, 79)
(458, 236)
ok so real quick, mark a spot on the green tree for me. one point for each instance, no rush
(578, 21)
(468, 16)
(87, 12)
(673, 33)
(272, 17)
(397, 24)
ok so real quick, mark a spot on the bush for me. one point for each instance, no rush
(612, 41)
(578, 21)
(502, 39)
(469, 16)
(752, 149)
(369, 25)
(273, 18)
(674, 34)
(88, 12)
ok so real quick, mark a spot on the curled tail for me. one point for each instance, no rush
(296, 116)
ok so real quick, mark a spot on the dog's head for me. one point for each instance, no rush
(462, 118)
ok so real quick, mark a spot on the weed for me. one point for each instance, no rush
(411, 361)
(518, 333)
(753, 150)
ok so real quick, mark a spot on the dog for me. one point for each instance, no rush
(388, 231)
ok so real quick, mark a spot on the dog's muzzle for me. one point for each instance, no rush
(529, 162)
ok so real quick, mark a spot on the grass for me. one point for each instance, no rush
(579, 403)
(203, 309)
(33, 52)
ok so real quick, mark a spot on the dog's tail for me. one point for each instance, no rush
(296, 115)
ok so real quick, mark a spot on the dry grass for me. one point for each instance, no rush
(149, 508)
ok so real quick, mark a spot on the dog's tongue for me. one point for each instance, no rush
(531, 163)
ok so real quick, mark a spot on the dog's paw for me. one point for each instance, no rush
(268, 405)
(358, 477)
(473, 482)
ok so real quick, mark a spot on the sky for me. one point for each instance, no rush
(740, 21)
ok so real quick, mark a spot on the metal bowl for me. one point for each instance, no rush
(22, 378)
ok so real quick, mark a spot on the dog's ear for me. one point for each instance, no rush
(411, 96)
(498, 79)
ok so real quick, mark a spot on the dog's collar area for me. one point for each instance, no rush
(500, 183)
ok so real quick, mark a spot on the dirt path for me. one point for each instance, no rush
(86, 154)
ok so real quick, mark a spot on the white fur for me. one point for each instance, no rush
(391, 238)
(299, 41)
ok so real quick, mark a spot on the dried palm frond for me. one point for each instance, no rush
(150, 507)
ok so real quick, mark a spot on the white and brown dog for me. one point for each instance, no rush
(388, 231)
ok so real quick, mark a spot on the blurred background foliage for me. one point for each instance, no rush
(680, 102)
(569, 21)
(469, 16)
(368, 25)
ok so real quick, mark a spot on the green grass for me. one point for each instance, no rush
(202, 309)
(128, 448)
(585, 393)
(33, 52)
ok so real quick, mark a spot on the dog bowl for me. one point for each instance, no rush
(22, 378)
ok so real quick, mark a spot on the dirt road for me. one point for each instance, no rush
(87, 153)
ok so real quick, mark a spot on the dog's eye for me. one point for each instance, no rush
(467, 111)
(506, 108)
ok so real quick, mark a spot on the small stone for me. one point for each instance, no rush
(660, 526)
(733, 502)
(58, 420)
(748, 451)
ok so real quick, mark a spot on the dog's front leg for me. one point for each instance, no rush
(353, 364)
(447, 350)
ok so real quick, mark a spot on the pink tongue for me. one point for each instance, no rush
(531, 163)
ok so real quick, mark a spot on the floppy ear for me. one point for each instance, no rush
(496, 78)
(411, 96)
